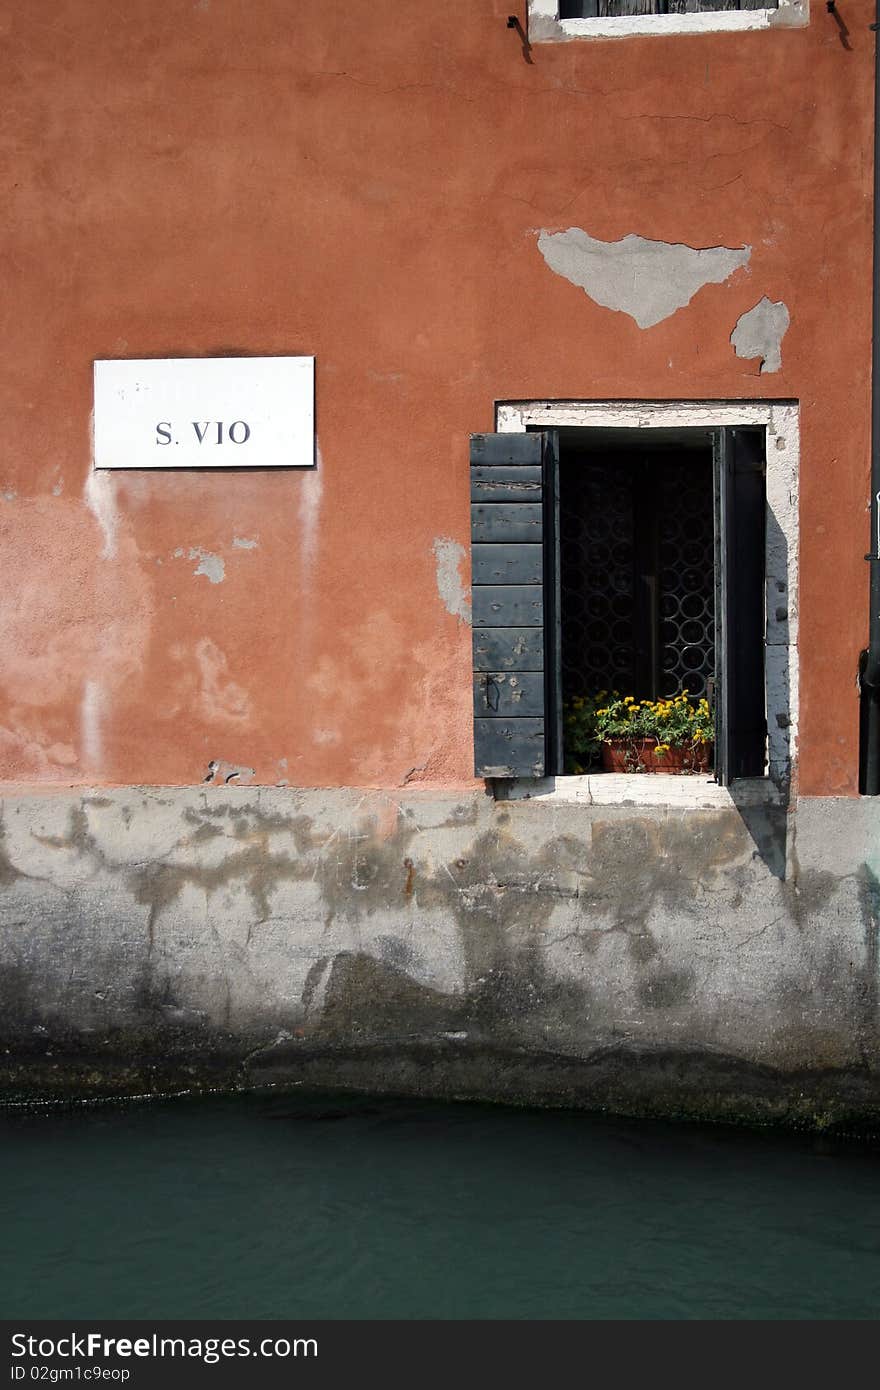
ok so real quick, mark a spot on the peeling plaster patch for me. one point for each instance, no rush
(449, 556)
(220, 698)
(759, 333)
(243, 544)
(310, 485)
(100, 498)
(393, 377)
(211, 566)
(9, 495)
(789, 16)
(221, 773)
(648, 280)
(90, 724)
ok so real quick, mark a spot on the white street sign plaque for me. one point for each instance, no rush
(205, 412)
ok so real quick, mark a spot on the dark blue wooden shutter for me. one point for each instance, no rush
(740, 619)
(511, 603)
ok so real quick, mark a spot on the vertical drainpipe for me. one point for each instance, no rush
(869, 761)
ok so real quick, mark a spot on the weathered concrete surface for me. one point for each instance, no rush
(713, 963)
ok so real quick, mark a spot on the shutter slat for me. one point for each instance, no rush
(508, 605)
(494, 449)
(509, 649)
(509, 694)
(509, 747)
(505, 483)
(507, 567)
(507, 564)
(507, 521)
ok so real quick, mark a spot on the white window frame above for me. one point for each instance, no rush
(545, 26)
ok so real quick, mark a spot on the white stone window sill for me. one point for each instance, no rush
(692, 793)
(546, 26)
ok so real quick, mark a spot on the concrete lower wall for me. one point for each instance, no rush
(717, 963)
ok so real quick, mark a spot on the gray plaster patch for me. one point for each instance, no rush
(789, 16)
(649, 280)
(213, 567)
(449, 557)
(243, 543)
(221, 773)
(759, 333)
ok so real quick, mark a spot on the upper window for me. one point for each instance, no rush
(553, 20)
(592, 9)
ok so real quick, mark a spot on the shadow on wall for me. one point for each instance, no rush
(768, 824)
(768, 829)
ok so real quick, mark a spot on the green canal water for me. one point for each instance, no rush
(287, 1207)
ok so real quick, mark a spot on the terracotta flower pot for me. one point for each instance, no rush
(640, 755)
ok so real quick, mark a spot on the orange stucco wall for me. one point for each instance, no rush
(363, 181)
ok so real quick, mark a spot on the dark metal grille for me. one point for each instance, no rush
(598, 550)
(686, 581)
(637, 576)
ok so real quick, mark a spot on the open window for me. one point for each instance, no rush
(617, 559)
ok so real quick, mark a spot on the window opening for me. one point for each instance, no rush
(619, 560)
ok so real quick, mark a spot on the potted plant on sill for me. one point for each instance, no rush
(673, 735)
(622, 734)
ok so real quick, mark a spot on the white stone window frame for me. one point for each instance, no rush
(545, 26)
(781, 422)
